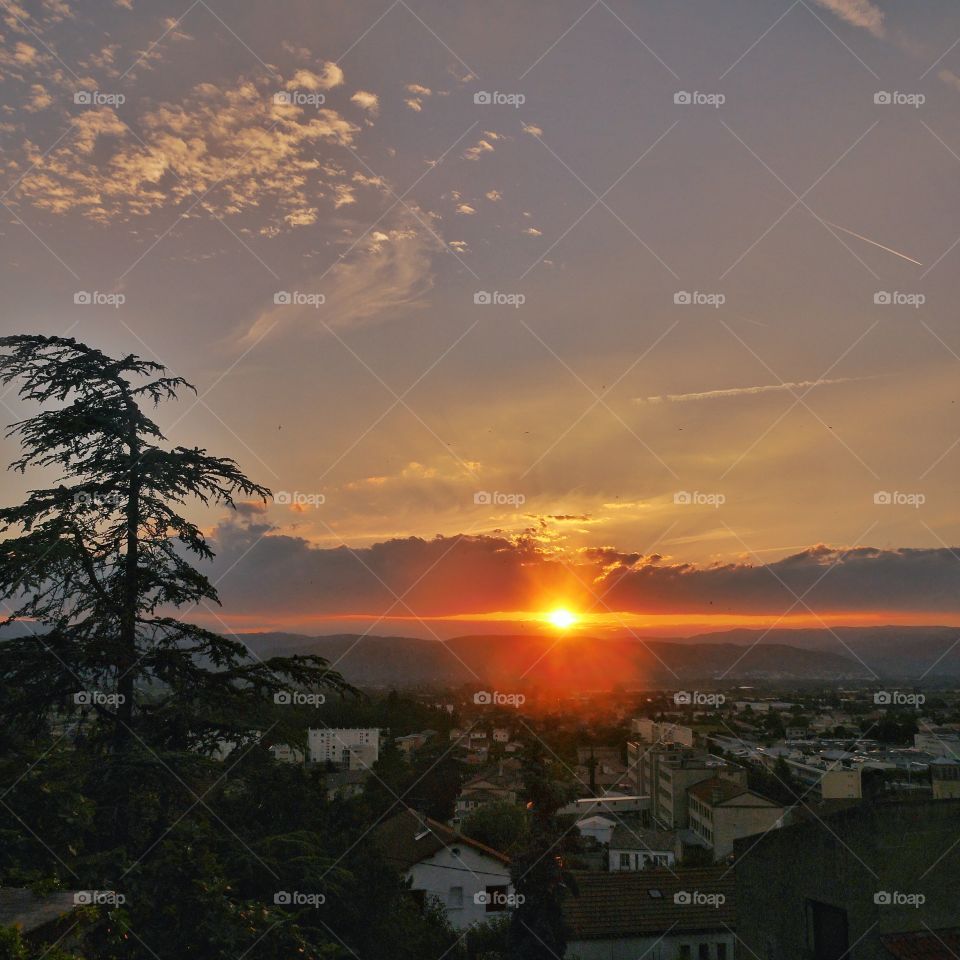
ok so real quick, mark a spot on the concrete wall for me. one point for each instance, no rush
(908, 849)
(650, 948)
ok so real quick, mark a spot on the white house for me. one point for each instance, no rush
(599, 828)
(633, 847)
(471, 880)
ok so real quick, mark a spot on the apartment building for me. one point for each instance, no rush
(722, 811)
(348, 748)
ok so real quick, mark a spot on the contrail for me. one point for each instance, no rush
(860, 236)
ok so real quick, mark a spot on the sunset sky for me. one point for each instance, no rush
(206, 161)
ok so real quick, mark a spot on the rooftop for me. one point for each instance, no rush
(924, 944)
(612, 905)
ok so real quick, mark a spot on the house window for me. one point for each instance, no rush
(624, 861)
(455, 898)
(827, 931)
(496, 899)
(684, 952)
(703, 951)
(721, 951)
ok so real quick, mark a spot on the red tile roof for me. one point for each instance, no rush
(924, 944)
(612, 905)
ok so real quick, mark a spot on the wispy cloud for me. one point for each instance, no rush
(860, 13)
(746, 391)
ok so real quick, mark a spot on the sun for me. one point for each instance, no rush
(561, 618)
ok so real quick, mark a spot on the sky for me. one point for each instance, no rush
(642, 310)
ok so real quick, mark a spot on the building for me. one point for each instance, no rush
(354, 748)
(599, 829)
(827, 780)
(653, 914)
(651, 731)
(500, 787)
(851, 882)
(945, 778)
(501, 734)
(940, 741)
(722, 811)
(345, 784)
(470, 880)
(675, 775)
(633, 847)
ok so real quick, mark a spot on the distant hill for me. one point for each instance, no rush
(915, 653)
(551, 662)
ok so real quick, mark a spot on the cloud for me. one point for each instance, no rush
(330, 76)
(466, 209)
(419, 91)
(414, 104)
(745, 391)
(950, 78)
(388, 271)
(225, 150)
(533, 232)
(532, 129)
(286, 575)
(493, 195)
(478, 150)
(859, 13)
(368, 101)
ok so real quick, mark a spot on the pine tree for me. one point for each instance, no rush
(98, 563)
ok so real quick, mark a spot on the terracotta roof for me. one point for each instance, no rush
(21, 908)
(628, 837)
(716, 790)
(924, 944)
(611, 905)
(409, 838)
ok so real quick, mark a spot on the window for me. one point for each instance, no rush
(683, 953)
(455, 898)
(827, 932)
(496, 899)
(721, 951)
(703, 951)
(624, 861)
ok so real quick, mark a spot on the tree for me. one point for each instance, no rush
(101, 560)
(498, 825)
(537, 929)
